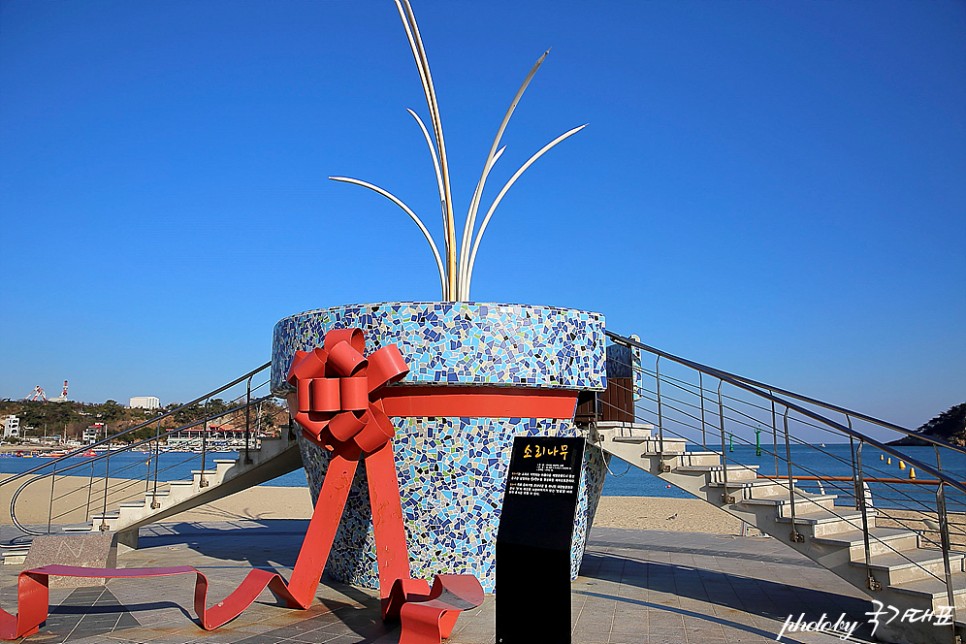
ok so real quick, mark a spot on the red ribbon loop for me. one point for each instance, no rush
(339, 391)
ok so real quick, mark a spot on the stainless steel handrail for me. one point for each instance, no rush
(807, 416)
(107, 456)
(794, 536)
(763, 391)
(698, 424)
(713, 371)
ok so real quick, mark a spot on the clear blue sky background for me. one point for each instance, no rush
(776, 189)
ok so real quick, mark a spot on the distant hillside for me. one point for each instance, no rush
(68, 419)
(949, 426)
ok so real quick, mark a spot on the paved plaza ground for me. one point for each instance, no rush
(635, 587)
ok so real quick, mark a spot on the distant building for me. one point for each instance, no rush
(145, 402)
(11, 427)
(92, 433)
(217, 438)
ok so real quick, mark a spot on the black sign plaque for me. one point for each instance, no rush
(533, 541)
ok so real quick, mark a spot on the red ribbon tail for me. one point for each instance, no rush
(392, 554)
(322, 528)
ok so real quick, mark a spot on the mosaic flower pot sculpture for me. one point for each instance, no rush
(452, 468)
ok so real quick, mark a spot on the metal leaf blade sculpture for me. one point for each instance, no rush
(456, 272)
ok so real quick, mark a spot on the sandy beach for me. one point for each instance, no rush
(634, 512)
(73, 499)
(640, 513)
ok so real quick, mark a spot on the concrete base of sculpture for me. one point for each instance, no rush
(87, 550)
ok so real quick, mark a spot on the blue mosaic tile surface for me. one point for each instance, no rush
(463, 342)
(452, 474)
(452, 470)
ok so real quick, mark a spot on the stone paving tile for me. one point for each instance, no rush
(635, 588)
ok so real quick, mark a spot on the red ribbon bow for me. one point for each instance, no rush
(339, 389)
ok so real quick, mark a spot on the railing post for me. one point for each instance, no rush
(726, 497)
(870, 581)
(90, 491)
(203, 482)
(944, 539)
(795, 536)
(50, 507)
(856, 485)
(248, 419)
(157, 459)
(704, 439)
(107, 479)
(660, 418)
(774, 429)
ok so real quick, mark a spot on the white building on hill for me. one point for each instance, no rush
(92, 433)
(11, 427)
(145, 402)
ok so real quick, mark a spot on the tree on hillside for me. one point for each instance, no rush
(951, 422)
(110, 411)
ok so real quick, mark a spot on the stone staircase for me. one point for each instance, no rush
(902, 571)
(274, 458)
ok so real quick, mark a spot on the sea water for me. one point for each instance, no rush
(622, 479)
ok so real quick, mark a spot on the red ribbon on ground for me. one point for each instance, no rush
(343, 405)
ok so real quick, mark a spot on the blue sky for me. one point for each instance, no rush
(775, 189)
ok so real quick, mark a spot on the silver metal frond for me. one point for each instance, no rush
(432, 153)
(470, 224)
(426, 77)
(396, 200)
(455, 275)
(503, 191)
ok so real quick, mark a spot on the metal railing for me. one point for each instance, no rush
(80, 488)
(715, 410)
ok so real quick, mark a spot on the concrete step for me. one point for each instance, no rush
(715, 473)
(178, 489)
(14, 554)
(617, 428)
(820, 523)
(109, 516)
(222, 465)
(881, 540)
(158, 498)
(652, 446)
(935, 591)
(206, 478)
(893, 568)
(755, 488)
(804, 502)
(699, 459)
(109, 522)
